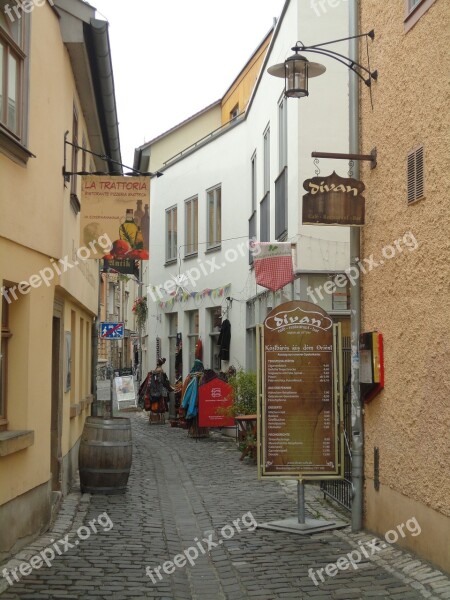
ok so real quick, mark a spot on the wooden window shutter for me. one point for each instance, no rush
(415, 169)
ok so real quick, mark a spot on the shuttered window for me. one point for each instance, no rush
(415, 183)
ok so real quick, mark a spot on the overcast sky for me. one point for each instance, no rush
(171, 58)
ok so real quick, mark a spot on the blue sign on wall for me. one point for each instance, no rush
(112, 331)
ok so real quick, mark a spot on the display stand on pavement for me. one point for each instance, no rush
(302, 524)
(125, 392)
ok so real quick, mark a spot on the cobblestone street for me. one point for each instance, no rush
(183, 490)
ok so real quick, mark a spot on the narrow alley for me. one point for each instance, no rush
(184, 492)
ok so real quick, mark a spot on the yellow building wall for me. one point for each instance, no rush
(408, 297)
(38, 226)
(183, 136)
(242, 88)
(29, 386)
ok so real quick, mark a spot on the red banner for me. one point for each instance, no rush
(214, 395)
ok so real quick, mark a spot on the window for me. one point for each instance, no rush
(234, 112)
(341, 294)
(281, 207)
(282, 134)
(264, 215)
(12, 58)
(172, 326)
(6, 334)
(267, 160)
(192, 335)
(84, 154)
(415, 174)
(214, 203)
(171, 234)
(251, 234)
(251, 336)
(74, 202)
(254, 182)
(414, 10)
(14, 37)
(71, 359)
(191, 219)
(215, 322)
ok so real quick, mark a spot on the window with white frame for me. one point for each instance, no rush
(191, 226)
(6, 334)
(171, 234)
(267, 160)
(254, 182)
(214, 204)
(282, 134)
(264, 219)
(414, 10)
(193, 319)
(12, 66)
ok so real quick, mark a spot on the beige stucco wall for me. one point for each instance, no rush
(38, 226)
(408, 297)
(29, 384)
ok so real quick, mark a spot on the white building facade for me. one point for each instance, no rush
(246, 181)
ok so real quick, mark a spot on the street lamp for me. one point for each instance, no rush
(296, 69)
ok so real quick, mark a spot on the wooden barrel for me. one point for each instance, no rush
(104, 458)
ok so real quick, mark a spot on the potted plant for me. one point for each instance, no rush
(243, 384)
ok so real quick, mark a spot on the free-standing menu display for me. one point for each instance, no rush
(299, 417)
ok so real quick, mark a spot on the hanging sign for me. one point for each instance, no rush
(333, 200)
(212, 396)
(118, 208)
(299, 429)
(124, 266)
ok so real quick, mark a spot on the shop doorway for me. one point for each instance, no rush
(56, 412)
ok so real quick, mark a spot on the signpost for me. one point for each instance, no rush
(299, 433)
(112, 331)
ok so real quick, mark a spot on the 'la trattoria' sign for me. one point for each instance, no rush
(333, 200)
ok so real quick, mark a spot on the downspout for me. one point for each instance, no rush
(355, 297)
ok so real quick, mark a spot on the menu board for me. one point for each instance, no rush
(299, 433)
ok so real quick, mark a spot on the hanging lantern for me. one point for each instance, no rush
(296, 71)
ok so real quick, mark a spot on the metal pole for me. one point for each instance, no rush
(301, 501)
(355, 297)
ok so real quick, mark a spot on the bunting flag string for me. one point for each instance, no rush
(184, 296)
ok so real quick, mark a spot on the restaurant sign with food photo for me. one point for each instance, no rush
(119, 208)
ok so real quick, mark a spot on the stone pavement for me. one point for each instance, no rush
(185, 495)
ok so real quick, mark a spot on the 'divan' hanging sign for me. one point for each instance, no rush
(333, 200)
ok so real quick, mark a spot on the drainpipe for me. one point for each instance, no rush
(355, 298)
